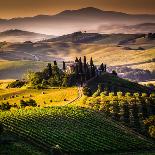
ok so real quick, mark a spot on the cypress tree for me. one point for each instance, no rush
(49, 70)
(102, 67)
(80, 66)
(64, 66)
(76, 60)
(85, 64)
(91, 61)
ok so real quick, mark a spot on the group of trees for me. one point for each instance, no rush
(85, 71)
(23, 104)
(16, 84)
(50, 76)
(151, 36)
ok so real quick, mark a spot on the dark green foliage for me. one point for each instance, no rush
(64, 66)
(37, 79)
(102, 67)
(55, 63)
(124, 112)
(29, 102)
(5, 106)
(76, 60)
(1, 128)
(99, 90)
(16, 84)
(51, 76)
(114, 72)
(109, 82)
(131, 109)
(150, 123)
(73, 130)
(47, 72)
(87, 91)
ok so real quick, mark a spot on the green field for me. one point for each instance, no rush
(74, 130)
(47, 97)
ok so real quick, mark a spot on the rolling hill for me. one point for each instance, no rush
(118, 50)
(68, 21)
(21, 36)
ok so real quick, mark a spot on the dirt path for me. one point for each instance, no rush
(34, 56)
(80, 94)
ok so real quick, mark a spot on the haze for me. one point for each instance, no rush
(18, 8)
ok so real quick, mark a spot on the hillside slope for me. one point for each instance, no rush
(74, 130)
(119, 50)
(116, 84)
(16, 35)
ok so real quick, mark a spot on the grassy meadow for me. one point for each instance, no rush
(43, 98)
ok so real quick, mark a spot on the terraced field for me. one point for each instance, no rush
(72, 130)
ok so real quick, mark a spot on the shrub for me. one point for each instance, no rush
(87, 91)
(5, 106)
(97, 93)
(16, 84)
(114, 73)
(23, 103)
(119, 94)
(30, 102)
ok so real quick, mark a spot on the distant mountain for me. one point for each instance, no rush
(70, 21)
(15, 35)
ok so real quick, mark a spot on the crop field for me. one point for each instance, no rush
(53, 96)
(72, 130)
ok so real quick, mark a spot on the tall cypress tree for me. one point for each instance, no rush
(91, 67)
(64, 66)
(76, 60)
(85, 64)
(102, 67)
(91, 61)
(49, 70)
(80, 66)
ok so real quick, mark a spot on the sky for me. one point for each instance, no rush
(24, 8)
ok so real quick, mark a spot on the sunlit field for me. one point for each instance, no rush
(47, 97)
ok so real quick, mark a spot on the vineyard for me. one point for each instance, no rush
(71, 129)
